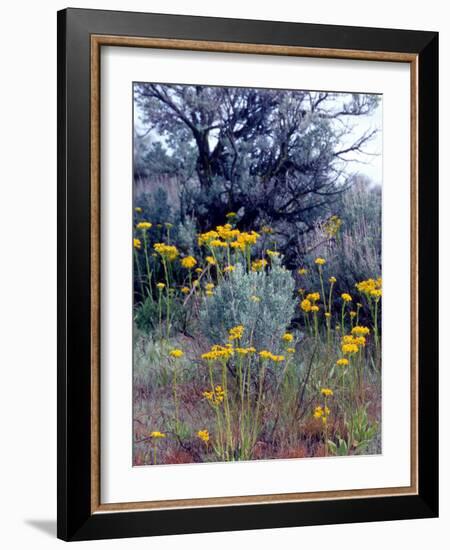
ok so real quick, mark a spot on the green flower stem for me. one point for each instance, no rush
(307, 323)
(220, 435)
(160, 311)
(358, 307)
(241, 397)
(248, 255)
(217, 263)
(262, 376)
(360, 376)
(147, 263)
(166, 273)
(375, 325)
(326, 427)
(322, 288)
(329, 318)
(141, 282)
(330, 296)
(175, 397)
(328, 325)
(227, 410)
(228, 254)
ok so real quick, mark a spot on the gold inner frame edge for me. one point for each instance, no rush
(97, 41)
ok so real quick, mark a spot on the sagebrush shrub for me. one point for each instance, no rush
(263, 302)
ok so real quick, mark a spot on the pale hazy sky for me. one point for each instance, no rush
(371, 164)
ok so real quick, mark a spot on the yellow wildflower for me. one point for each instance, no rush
(359, 330)
(218, 352)
(313, 296)
(352, 314)
(342, 362)
(258, 265)
(272, 253)
(255, 299)
(346, 297)
(229, 268)
(188, 262)
(177, 353)
(215, 396)
(327, 392)
(245, 351)
(231, 215)
(206, 238)
(266, 229)
(287, 337)
(368, 286)
(290, 350)
(216, 243)
(203, 435)
(209, 286)
(236, 333)
(210, 260)
(238, 245)
(143, 226)
(209, 293)
(306, 305)
(302, 271)
(227, 233)
(320, 261)
(332, 226)
(137, 243)
(167, 251)
(327, 314)
(348, 349)
(315, 308)
(160, 286)
(332, 280)
(157, 435)
(318, 412)
(249, 238)
(138, 209)
(264, 354)
(185, 290)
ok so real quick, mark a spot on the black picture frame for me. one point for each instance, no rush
(75, 518)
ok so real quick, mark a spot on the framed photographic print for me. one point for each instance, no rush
(247, 274)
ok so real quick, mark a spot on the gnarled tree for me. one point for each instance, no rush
(275, 156)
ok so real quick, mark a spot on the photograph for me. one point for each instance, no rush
(247, 272)
(257, 273)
